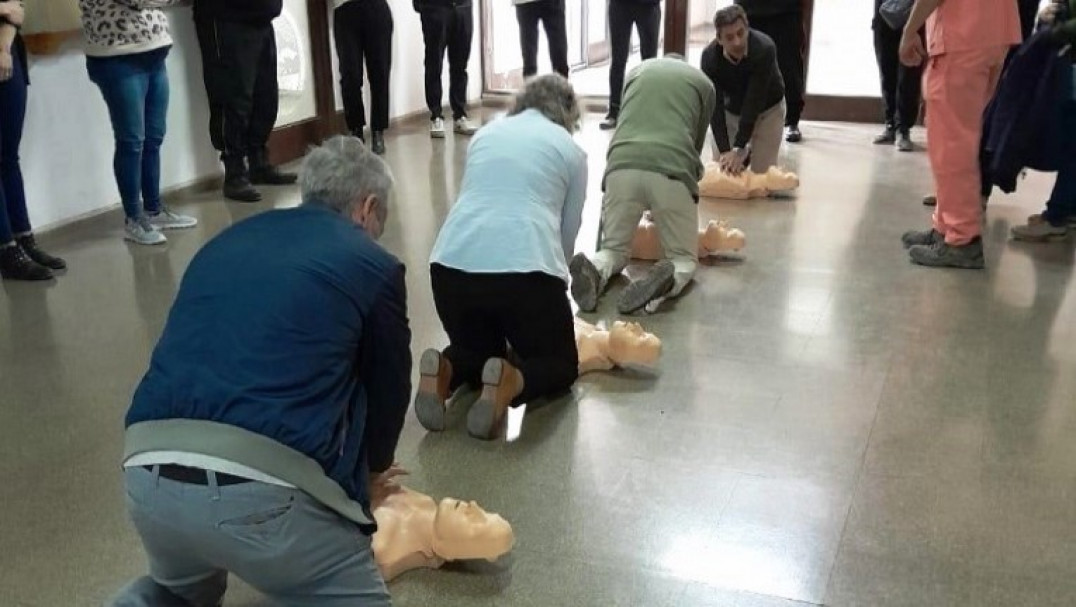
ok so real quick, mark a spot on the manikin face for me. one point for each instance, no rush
(463, 530)
(733, 39)
(629, 343)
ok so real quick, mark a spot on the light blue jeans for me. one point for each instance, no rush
(279, 540)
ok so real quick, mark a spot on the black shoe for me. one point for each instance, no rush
(359, 135)
(377, 142)
(609, 123)
(888, 137)
(794, 135)
(15, 264)
(29, 246)
(930, 201)
(263, 173)
(237, 184)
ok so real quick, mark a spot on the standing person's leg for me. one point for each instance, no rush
(555, 23)
(909, 99)
(886, 52)
(348, 31)
(623, 206)
(676, 216)
(377, 47)
(527, 16)
(435, 22)
(790, 49)
(230, 54)
(156, 120)
(264, 113)
(1060, 214)
(648, 22)
(620, 22)
(460, 40)
(766, 140)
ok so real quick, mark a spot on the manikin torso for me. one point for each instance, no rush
(717, 184)
(715, 239)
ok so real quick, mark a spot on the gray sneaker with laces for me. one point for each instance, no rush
(921, 237)
(167, 219)
(943, 255)
(141, 231)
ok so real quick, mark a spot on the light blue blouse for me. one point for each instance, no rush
(521, 200)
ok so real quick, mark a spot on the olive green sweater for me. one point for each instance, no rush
(663, 120)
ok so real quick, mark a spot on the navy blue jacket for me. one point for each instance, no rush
(291, 324)
(1019, 125)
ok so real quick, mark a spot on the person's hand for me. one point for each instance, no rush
(383, 484)
(7, 65)
(1048, 15)
(731, 162)
(13, 12)
(912, 51)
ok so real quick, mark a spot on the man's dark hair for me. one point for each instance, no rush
(729, 16)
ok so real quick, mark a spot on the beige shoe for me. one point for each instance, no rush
(502, 383)
(435, 377)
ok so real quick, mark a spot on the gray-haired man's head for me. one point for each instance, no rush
(553, 96)
(344, 175)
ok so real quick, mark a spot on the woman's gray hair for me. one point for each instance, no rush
(553, 96)
(342, 172)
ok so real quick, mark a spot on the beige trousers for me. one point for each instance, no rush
(628, 194)
(765, 141)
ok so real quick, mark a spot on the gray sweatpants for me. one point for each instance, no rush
(279, 540)
(628, 194)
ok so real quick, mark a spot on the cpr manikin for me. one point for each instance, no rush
(716, 183)
(625, 345)
(716, 239)
(414, 531)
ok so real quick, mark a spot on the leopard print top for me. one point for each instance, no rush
(117, 27)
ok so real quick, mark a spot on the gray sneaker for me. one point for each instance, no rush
(904, 144)
(942, 255)
(141, 231)
(655, 285)
(925, 238)
(167, 219)
(586, 282)
(1038, 229)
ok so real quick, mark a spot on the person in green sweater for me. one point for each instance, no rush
(653, 163)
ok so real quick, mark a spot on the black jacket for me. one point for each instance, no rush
(421, 5)
(238, 11)
(769, 8)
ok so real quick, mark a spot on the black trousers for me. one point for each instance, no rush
(239, 68)
(787, 33)
(451, 29)
(363, 33)
(901, 85)
(646, 18)
(551, 14)
(486, 314)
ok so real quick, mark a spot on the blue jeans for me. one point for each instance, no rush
(13, 216)
(1062, 203)
(135, 88)
(279, 540)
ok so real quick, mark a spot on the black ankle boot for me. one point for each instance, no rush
(261, 172)
(15, 264)
(359, 133)
(34, 252)
(236, 183)
(377, 142)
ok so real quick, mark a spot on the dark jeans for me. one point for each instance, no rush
(901, 85)
(485, 314)
(135, 88)
(14, 218)
(551, 14)
(646, 18)
(1062, 203)
(451, 29)
(239, 69)
(363, 32)
(787, 32)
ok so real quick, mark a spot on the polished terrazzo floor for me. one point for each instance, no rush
(832, 425)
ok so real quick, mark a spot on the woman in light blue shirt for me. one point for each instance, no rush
(499, 267)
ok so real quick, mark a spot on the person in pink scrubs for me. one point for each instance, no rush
(967, 41)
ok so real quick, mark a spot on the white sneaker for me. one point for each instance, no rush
(141, 231)
(464, 126)
(437, 128)
(168, 219)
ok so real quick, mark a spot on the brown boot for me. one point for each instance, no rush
(502, 383)
(435, 375)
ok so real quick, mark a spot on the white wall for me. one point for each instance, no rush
(67, 144)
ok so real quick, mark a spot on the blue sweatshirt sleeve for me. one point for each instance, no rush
(572, 212)
(386, 369)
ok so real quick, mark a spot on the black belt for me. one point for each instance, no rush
(196, 476)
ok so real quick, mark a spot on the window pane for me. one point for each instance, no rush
(842, 50)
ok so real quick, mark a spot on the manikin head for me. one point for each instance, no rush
(463, 531)
(553, 96)
(732, 28)
(350, 179)
(629, 343)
